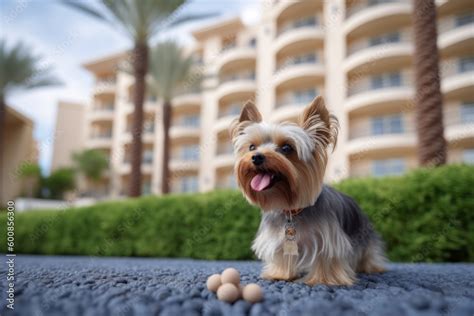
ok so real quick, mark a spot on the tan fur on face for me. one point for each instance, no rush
(302, 172)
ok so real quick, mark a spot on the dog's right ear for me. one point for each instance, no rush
(249, 114)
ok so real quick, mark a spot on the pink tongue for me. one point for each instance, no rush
(260, 182)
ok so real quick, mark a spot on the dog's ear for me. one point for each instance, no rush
(249, 114)
(322, 126)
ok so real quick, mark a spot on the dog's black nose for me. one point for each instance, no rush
(258, 159)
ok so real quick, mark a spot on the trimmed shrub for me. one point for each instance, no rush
(426, 215)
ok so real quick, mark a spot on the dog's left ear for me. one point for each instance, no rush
(322, 126)
(248, 115)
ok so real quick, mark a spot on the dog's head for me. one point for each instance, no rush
(281, 166)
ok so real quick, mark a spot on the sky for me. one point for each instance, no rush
(66, 39)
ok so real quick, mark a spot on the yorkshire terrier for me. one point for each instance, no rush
(308, 230)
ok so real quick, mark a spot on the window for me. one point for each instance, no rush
(395, 166)
(146, 188)
(253, 42)
(147, 156)
(464, 19)
(189, 184)
(386, 80)
(385, 39)
(233, 109)
(304, 96)
(232, 181)
(468, 156)
(467, 112)
(375, 2)
(392, 124)
(190, 152)
(466, 64)
(191, 120)
(307, 21)
(149, 127)
(310, 58)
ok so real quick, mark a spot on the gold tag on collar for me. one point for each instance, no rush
(290, 247)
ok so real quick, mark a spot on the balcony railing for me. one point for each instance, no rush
(456, 66)
(453, 22)
(102, 135)
(233, 46)
(459, 116)
(310, 59)
(380, 82)
(104, 107)
(368, 131)
(303, 100)
(310, 21)
(230, 110)
(196, 88)
(378, 41)
(362, 5)
(237, 77)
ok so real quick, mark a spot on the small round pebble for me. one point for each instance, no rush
(213, 282)
(228, 292)
(252, 293)
(230, 275)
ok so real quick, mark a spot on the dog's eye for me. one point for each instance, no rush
(252, 147)
(286, 149)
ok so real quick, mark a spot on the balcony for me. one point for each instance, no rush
(365, 16)
(235, 54)
(100, 140)
(307, 34)
(102, 114)
(236, 85)
(287, 110)
(105, 86)
(456, 33)
(125, 168)
(457, 77)
(459, 125)
(148, 137)
(298, 73)
(367, 143)
(363, 54)
(223, 123)
(184, 132)
(224, 155)
(191, 99)
(178, 165)
(382, 90)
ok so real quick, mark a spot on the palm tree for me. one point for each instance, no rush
(20, 69)
(428, 98)
(169, 70)
(140, 21)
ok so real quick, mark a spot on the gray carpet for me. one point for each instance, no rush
(116, 286)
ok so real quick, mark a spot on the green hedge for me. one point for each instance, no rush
(426, 215)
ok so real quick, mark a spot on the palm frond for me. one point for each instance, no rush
(190, 18)
(139, 20)
(85, 8)
(169, 69)
(22, 70)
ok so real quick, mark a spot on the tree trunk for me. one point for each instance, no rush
(3, 116)
(140, 68)
(165, 180)
(428, 98)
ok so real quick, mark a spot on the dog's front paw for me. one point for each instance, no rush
(324, 281)
(272, 272)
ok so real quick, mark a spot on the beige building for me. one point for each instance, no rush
(20, 147)
(69, 134)
(357, 54)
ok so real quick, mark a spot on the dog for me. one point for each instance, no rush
(309, 231)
